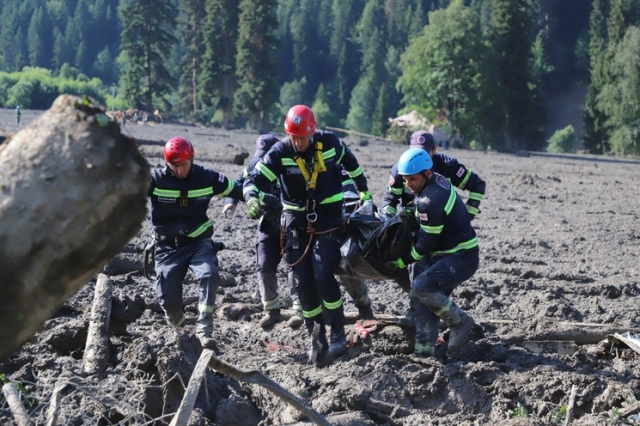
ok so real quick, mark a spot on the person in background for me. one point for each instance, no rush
(307, 163)
(268, 245)
(18, 114)
(398, 195)
(446, 249)
(180, 195)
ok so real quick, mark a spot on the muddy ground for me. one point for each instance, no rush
(559, 238)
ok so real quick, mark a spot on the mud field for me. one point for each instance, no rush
(559, 239)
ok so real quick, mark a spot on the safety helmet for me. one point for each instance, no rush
(178, 150)
(413, 161)
(264, 144)
(299, 121)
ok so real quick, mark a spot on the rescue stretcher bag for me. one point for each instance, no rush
(368, 243)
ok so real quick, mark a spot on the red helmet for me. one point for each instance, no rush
(178, 150)
(300, 121)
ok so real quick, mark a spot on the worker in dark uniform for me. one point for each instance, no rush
(446, 250)
(268, 245)
(398, 195)
(308, 165)
(180, 195)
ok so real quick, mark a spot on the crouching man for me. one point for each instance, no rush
(446, 250)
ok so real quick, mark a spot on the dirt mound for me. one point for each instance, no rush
(559, 240)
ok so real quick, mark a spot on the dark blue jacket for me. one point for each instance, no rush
(280, 164)
(179, 206)
(445, 227)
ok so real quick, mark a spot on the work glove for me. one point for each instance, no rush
(386, 212)
(472, 208)
(272, 205)
(408, 211)
(254, 208)
(365, 196)
(228, 210)
(395, 265)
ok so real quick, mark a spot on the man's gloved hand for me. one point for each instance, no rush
(386, 212)
(472, 208)
(365, 196)
(272, 204)
(395, 265)
(254, 208)
(228, 210)
(408, 211)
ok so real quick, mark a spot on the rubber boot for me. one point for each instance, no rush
(338, 345)
(365, 312)
(460, 325)
(270, 317)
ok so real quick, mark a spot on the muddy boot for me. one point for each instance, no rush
(296, 319)
(423, 349)
(365, 312)
(338, 345)
(409, 320)
(271, 317)
(460, 325)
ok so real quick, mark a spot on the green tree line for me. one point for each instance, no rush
(481, 69)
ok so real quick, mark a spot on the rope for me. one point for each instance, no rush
(312, 232)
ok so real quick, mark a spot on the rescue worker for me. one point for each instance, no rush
(398, 195)
(446, 249)
(180, 195)
(268, 245)
(18, 114)
(307, 164)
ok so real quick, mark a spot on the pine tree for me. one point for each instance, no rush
(217, 81)
(192, 32)
(256, 62)
(510, 36)
(595, 135)
(147, 36)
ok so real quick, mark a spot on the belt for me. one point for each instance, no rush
(177, 242)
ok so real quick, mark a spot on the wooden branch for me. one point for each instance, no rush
(571, 405)
(630, 410)
(54, 405)
(96, 352)
(189, 399)
(74, 193)
(257, 378)
(12, 396)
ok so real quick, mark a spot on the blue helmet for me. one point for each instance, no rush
(414, 160)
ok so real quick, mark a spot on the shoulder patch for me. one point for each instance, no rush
(442, 181)
(221, 177)
(460, 172)
(423, 217)
(391, 181)
(344, 172)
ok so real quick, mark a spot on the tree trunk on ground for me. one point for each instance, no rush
(73, 194)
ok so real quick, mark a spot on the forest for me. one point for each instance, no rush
(484, 71)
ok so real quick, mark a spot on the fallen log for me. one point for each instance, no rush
(257, 378)
(96, 352)
(73, 194)
(549, 330)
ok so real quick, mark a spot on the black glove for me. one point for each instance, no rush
(272, 205)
